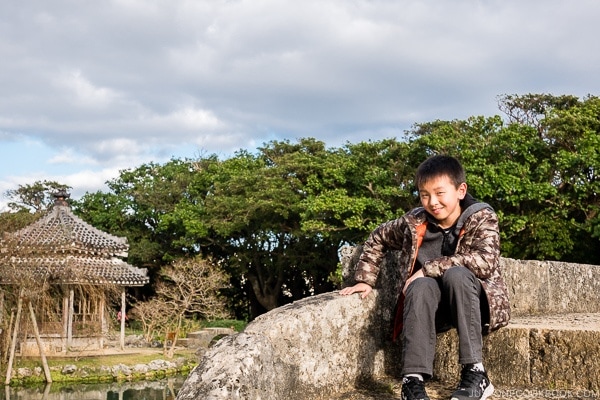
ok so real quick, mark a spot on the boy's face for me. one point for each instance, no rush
(441, 199)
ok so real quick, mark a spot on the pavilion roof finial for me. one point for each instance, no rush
(60, 197)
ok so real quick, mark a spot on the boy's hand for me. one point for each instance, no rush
(418, 274)
(361, 287)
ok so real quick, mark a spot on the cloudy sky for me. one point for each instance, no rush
(88, 88)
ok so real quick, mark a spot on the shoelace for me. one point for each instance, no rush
(416, 387)
(470, 378)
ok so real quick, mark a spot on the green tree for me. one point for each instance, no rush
(13, 221)
(139, 207)
(538, 170)
(251, 214)
(35, 197)
(357, 187)
(28, 203)
(280, 216)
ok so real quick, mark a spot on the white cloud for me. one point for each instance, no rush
(87, 180)
(71, 156)
(185, 119)
(125, 82)
(86, 94)
(81, 182)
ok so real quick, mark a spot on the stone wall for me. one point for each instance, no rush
(550, 287)
(322, 345)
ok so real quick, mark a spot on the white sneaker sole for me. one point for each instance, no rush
(486, 393)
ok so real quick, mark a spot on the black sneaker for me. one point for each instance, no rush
(413, 389)
(474, 384)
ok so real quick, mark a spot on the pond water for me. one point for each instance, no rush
(165, 389)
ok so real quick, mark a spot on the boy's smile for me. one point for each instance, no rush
(441, 199)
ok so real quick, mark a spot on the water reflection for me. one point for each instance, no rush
(165, 389)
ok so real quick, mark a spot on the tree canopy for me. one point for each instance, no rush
(539, 170)
(276, 218)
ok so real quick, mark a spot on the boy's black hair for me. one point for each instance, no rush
(440, 165)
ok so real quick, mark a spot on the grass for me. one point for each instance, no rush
(97, 369)
(237, 325)
(90, 361)
(135, 356)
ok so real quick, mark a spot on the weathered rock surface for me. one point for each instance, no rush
(325, 345)
(296, 350)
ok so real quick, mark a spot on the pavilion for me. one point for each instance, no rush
(77, 265)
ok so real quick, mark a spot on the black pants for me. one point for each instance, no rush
(433, 305)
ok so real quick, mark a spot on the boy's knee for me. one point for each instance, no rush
(423, 287)
(457, 276)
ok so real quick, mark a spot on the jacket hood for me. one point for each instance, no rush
(470, 206)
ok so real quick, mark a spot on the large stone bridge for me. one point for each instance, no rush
(321, 346)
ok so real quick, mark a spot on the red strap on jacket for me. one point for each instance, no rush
(398, 319)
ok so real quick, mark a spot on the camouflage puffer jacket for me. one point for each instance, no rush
(478, 249)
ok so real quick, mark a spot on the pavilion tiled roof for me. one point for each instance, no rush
(62, 231)
(74, 270)
(62, 248)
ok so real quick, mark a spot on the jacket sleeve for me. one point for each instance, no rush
(478, 248)
(387, 236)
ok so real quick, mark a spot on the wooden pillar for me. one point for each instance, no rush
(7, 342)
(40, 344)
(70, 318)
(123, 315)
(101, 320)
(1, 309)
(2, 313)
(83, 311)
(65, 321)
(13, 343)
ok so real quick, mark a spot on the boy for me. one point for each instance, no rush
(450, 248)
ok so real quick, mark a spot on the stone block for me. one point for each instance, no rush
(545, 352)
(505, 352)
(565, 359)
(527, 283)
(551, 287)
(573, 288)
(506, 356)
